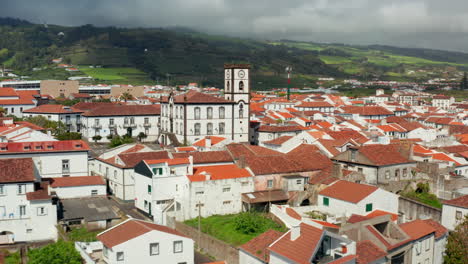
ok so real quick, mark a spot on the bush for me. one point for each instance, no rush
(69, 136)
(118, 140)
(60, 252)
(250, 223)
(97, 138)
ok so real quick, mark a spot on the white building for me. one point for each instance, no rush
(120, 119)
(344, 198)
(137, 241)
(191, 116)
(21, 131)
(52, 158)
(15, 102)
(454, 211)
(26, 210)
(69, 116)
(442, 101)
(77, 187)
(176, 184)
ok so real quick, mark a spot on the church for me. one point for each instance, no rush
(191, 116)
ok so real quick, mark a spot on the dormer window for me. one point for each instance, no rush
(78, 146)
(27, 147)
(50, 147)
(3, 148)
(38, 147)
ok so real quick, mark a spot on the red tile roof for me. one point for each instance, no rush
(417, 229)
(292, 213)
(170, 162)
(17, 102)
(131, 229)
(44, 146)
(206, 157)
(368, 252)
(218, 172)
(277, 129)
(355, 218)
(440, 230)
(7, 92)
(366, 110)
(348, 191)
(194, 97)
(381, 155)
(314, 104)
(443, 157)
(461, 201)
(258, 246)
(185, 149)
(345, 259)
(377, 213)
(52, 109)
(302, 249)
(278, 141)
(17, 170)
(41, 192)
(326, 224)
(75, 181)
(124, 110)
(92, 105)
(214, 140)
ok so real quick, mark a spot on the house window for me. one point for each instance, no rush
(126, 120)
(132, 120)
(149, 189)
(2, 190)
(326, 201)
(154, 249)
(221, 128)
(221, 112)
(197, 112)
(96, 122)
(197, 129)
(298, 181)
(178, 246)
(405, 172)
(65, 166)
(427, 243)
(111, 122)
(241, 86)
(209, 112)
(146, 205)
(21, 188)
(209, 129)
(418, 248)
(120, 256)
(226, 189)
(22, 210)
(41, 211)
(360, 170)
(387, 174)
(241, 111)
(199, 191)
(94, 192)
(368, 207)
(146, 120)
(270, 184)
(397, 173)
(458, 215)
(226, 202)
(115, 174)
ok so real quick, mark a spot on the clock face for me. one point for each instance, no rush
(228, 74)
(241, 74)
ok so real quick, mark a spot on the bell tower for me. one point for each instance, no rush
(237, 82)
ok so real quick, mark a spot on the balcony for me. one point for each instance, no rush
(96, 126)
(112, 125)
(127, 125)
(147, 125)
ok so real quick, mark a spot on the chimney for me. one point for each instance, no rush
(295, 232)
(337, 171)
(208, 142)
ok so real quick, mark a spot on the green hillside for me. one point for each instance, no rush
(175, 56)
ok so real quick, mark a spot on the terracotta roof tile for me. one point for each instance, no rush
(348, 191)
(368, 252)
(52, 109)
(214, 140)
(292, 213)
(44, 146)
(17, 170)
(276, 129)
(381, 155)
(124, 110)
(206, 157)
(193, 97)
(278, 141)
(76, 181)
(417, 229)
(366, 110)
(131, 229)
(440, 230)
(41, 192)
(132, 159)
(314, 104)
(258, 246)
(461, 201)
(218, 172)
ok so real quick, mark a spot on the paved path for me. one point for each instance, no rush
(128, 208)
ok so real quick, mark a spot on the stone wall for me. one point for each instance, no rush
(206, 243)
(412, 210)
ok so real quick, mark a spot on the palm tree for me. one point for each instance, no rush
(126, 96)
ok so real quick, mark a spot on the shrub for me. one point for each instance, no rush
(97, 138)
(250, 223)
(60, 252)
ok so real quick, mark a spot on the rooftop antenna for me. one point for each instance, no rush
(288, 71)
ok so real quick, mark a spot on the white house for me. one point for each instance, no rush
(344, 198)
(69, 116)
(137, 241)
(15, 102)
(121, 119)
(21, 131)
(442, 101)
(52, 158)
(77, 187)
(26, 210)
(191, 116)
(454, 211)
(422, 235)
(161, 185)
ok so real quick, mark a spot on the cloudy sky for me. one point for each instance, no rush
(411, 23)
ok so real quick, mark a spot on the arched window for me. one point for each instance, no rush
(181, 114)
(221, 112)
(167, 125)
(197, 112)
(241, 111)
(181, 128)
(209, 129)
(228, 86)
(177, 112)
(197, 129)
(241, 86)
(209, 113)
(221, 128)
(126, 120)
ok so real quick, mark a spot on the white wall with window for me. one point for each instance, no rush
(423, 250)
(79, 191)
(453, 215)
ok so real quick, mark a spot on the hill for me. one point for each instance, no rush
(179, 56)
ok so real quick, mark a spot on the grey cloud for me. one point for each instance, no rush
(424, 23)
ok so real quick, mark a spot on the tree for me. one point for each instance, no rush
(141, 136)
(2, 111)
(69, 136)
(126, 96)
(456, 250)
(60, 252)
(96, 138)
(464, 82)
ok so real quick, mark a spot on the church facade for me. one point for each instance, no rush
(193, 115)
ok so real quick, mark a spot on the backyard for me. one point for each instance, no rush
(236, 229)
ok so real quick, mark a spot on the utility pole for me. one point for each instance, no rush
(199, 223)
(288, 71)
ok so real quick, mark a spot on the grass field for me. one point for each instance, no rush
(223, 228)
(82, 234)
(117, 75)
(13, 258)
(426, 198)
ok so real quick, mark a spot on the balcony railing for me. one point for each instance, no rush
(147, 125)
(97, 126)
(112, 125)
(126, 125)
